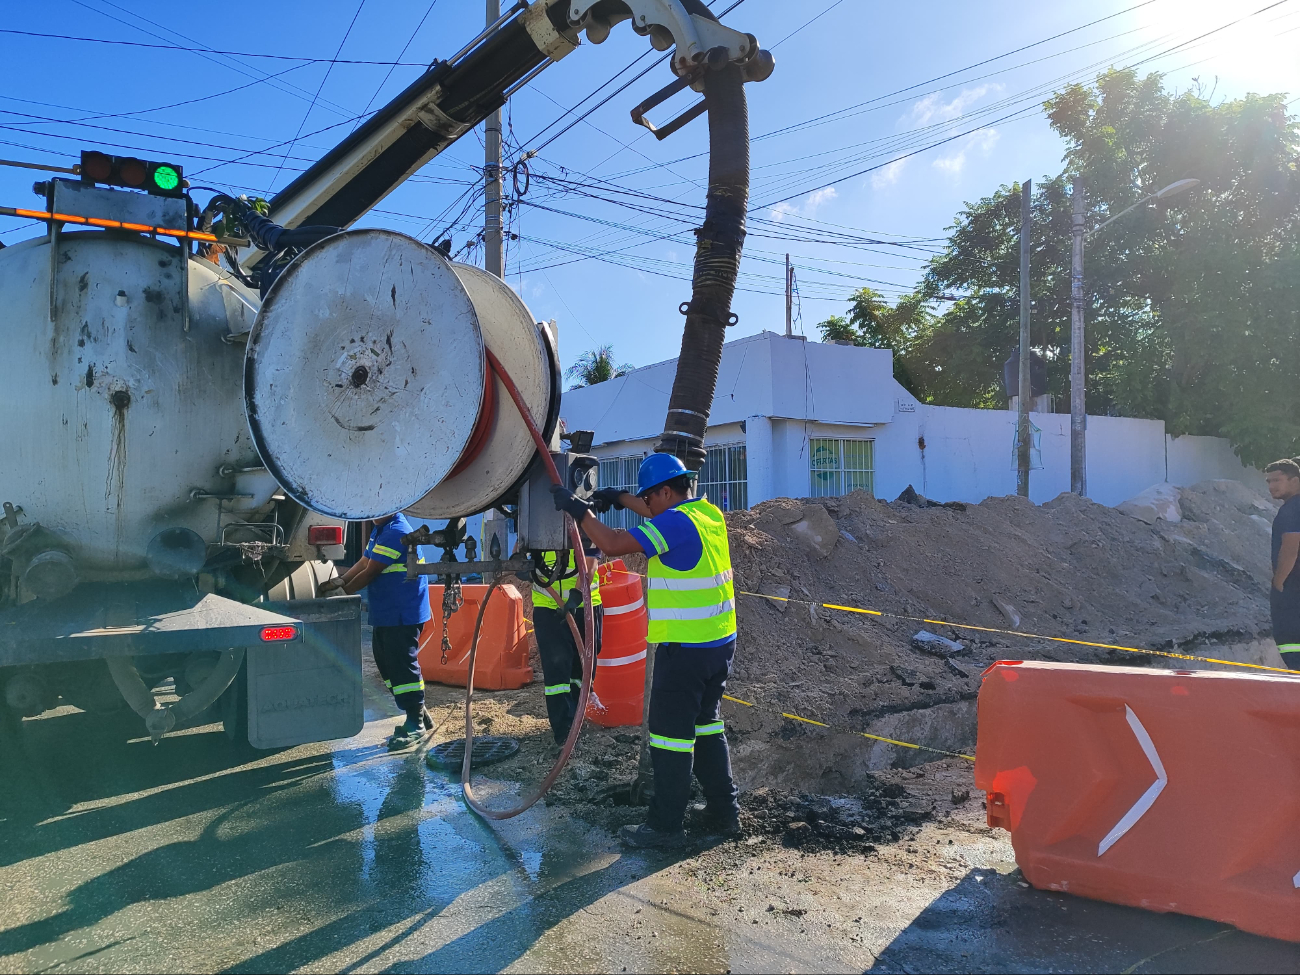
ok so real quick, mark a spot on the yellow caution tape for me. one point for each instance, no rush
(1020, 633)
(863, 734)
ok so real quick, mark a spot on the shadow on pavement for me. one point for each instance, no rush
(312, 851)
(989, 922)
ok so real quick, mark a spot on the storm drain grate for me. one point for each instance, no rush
(449, 755)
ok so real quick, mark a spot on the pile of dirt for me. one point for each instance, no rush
(1070, 568)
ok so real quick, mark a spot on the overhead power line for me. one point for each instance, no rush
(212, 50)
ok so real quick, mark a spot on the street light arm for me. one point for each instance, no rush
(1171, 190)
(1145, 199)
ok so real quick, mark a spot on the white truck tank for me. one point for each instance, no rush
(123, 406)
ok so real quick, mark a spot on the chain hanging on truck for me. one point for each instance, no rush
(450, 569)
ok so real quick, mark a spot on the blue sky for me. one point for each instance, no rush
(843, 178)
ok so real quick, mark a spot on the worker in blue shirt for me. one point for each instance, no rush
(691, 604)
(398, 611)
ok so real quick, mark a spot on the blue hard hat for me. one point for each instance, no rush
(658, 468)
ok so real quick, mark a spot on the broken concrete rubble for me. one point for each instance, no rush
(938, 646)
(1157, 503)
(816, 530)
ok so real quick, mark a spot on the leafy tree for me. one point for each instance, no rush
(837, 328)
(1193, 304)
(596, 366)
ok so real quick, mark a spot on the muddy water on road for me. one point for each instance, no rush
(116, 855)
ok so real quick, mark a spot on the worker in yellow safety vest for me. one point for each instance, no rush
(561, 662)
(692, 610)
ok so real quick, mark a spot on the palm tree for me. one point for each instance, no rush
(596, 366)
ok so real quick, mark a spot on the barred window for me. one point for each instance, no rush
(837, 466)
(620, 472)
(725, 477)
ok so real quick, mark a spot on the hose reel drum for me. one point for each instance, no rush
(367, 387)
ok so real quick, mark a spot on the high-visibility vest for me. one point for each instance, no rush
(564, 585)
(697, 605)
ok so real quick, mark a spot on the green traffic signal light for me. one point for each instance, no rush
(166, 178)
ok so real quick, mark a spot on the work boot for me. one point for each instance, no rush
(725, 824)
(405, 736)
(646, 837)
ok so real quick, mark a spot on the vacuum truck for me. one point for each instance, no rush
(202, 399)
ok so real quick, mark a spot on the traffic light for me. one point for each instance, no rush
(160, 179)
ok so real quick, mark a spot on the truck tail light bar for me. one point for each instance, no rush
(278, 634)
(107, 224)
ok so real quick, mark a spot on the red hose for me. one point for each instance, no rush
(587, 645)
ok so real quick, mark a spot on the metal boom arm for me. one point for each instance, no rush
(434, 111)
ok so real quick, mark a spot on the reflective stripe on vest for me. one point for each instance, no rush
(696, 605)
(564, 586)
(391, 553)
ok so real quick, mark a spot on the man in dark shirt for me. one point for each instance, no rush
(1283, 477)
(398, 611)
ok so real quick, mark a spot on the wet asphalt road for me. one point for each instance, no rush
(119, 856)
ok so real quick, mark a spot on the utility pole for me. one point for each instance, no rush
(493, 250)
(1078, 402)
(1026, 389)
(789, 297)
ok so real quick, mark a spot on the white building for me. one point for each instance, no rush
(795, 418)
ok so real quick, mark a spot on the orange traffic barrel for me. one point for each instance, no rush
(1174, 791)
(618, 692)
(502, 662)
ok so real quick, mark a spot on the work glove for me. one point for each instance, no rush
(607, 498)
(567, 501)
(330, 587)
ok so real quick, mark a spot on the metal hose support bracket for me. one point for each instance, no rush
(160, 720)
(718, 247)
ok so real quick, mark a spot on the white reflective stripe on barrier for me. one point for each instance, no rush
(1148, 798)
(620, 661)
(629, 608)
(683, 585)
(698, 613)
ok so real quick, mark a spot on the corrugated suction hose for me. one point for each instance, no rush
(717, 263)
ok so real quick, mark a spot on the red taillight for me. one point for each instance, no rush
(274, 634)
(325, 535)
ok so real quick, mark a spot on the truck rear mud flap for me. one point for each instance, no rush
(307, 691)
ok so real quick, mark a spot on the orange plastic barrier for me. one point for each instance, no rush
(502, 662)
(1168, 790)
(619, 689)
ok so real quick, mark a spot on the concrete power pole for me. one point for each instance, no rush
(1026, 353)
(493, 249)
(1078, 353)
(789, 297)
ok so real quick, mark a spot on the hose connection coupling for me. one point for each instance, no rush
(702, 45)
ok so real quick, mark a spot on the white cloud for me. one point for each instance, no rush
(814, 202)
(982, 141)
(888, 175)
(932, 108)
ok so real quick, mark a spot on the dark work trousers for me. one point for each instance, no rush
(685, 711)
(1286, 624)
(561, 663)
(395, 649)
